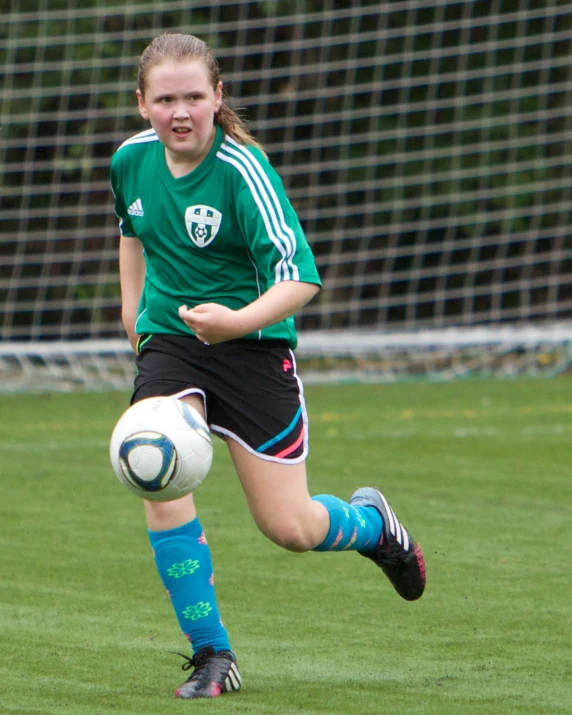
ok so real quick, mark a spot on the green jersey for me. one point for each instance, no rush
(225, 233)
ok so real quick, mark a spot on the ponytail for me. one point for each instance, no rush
(232, 124)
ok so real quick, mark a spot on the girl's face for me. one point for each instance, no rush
(180, 103)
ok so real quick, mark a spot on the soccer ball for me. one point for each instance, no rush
(161, 449)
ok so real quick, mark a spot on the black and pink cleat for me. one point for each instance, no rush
(214, 673)
(397, 554)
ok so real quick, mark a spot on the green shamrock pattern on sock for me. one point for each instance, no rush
(199, 610)
(360, 518)
(184, 569)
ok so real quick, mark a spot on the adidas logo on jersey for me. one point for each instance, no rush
(136, 208)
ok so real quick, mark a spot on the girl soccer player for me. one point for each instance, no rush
(213, 266)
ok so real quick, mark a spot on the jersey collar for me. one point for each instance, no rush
(195, 176)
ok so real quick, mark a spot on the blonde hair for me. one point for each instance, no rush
(173, 47)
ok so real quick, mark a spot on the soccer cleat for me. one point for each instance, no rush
(213, 674)
(397, 554)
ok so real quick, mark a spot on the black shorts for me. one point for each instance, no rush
(251, 390)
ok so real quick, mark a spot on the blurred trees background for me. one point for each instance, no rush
(426, 148)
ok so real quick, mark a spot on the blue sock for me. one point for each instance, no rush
(183, 559)
(352, 528)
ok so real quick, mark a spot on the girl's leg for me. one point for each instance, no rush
(278, 498)
(279, 501)
(183, 559)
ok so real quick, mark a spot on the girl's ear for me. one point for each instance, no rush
(141, 104)
(218, 97)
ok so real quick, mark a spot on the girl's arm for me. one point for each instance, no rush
(213, 323)
(132, 278)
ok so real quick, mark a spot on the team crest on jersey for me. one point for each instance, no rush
(203, 223)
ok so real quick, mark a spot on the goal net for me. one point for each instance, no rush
(425, 146)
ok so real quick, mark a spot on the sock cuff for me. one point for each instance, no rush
(351, 526)
(328, 500)
(191, 529)
(332, 504)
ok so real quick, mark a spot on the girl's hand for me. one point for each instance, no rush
(213, 323)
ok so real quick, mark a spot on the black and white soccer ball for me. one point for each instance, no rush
(161, 449)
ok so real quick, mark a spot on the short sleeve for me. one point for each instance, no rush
(125, 225)
(269, 223)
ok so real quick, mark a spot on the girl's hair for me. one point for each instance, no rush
(172, 47)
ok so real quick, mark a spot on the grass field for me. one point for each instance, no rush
(479, 471)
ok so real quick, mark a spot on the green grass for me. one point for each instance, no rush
(481, 473)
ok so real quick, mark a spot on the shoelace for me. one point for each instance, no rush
(190, 662)
(197, 661)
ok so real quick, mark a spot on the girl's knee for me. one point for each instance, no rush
(291, 535)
